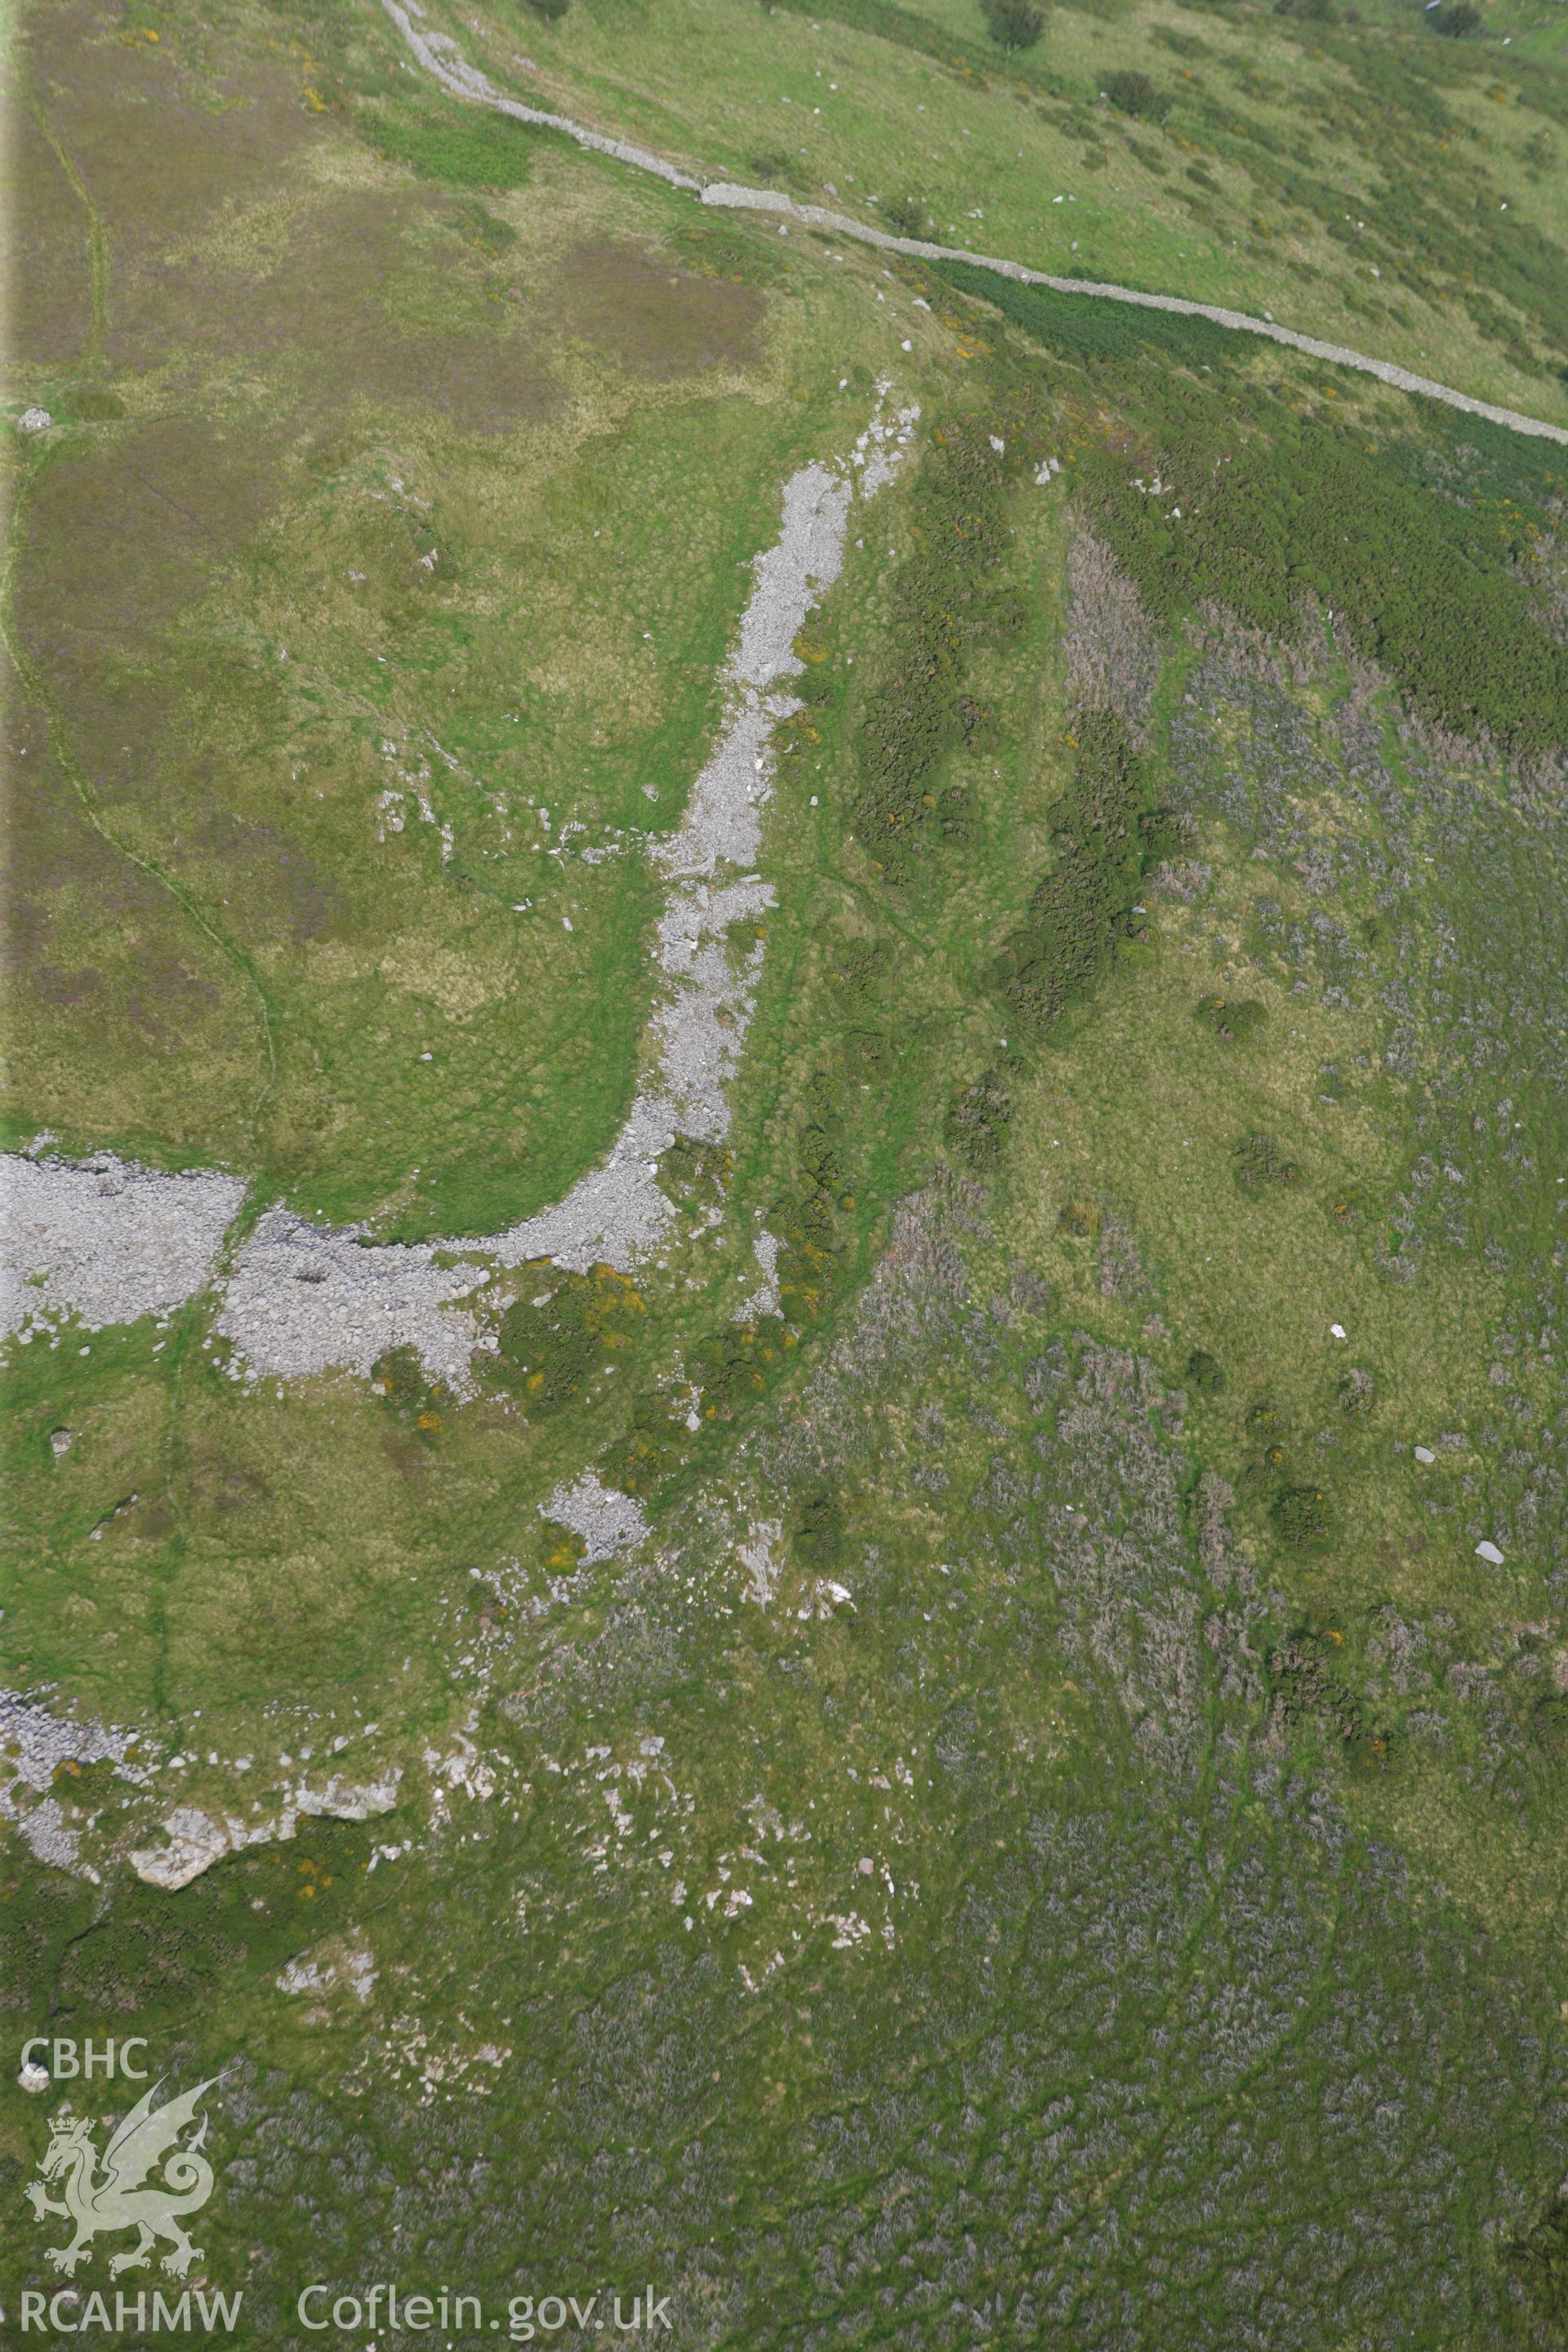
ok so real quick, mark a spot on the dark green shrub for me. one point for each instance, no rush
(653, 1448)
(1013, 24)
(546, 1356)
(819, 1154)
(859, 968)
(558, 1548)
(1430, 587)
(1233, 1020)
(773, 169)
(481, 228)
(1539, 2262)
(400, 1377)
(171, 1955)
(1262, 1167)
(732, 1367)
(866, 1054)
(1305, 1518)
(1457, 19)
(917, 713)
(1083, 908)
(1093, 331)
(1205, 1372)
(955, 814)
(1307, 1689)
(1132, 93)
(817, 1528)
(690, 1167)
(551, 1347)
(1166, 834)
(977, 1121)
(1549, 1726)
(905, 215)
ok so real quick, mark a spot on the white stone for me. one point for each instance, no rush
(607, 1520)
(104, 1240)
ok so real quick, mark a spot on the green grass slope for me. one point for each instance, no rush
(1351, 174)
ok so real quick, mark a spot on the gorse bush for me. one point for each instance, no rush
(1096, 332)
(689, 1166)
(1305, 1517)
(169, 1954)
(653, 1449)
(411, 1396)
(1266, 521)
(551, 1346)
(809, 1221)
(733, 1366)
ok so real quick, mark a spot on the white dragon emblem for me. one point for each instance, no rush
(118, 2199)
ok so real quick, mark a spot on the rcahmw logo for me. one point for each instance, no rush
(149, 2177)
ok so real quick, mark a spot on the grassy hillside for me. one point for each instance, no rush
(1056, 1838)
(1350, 172)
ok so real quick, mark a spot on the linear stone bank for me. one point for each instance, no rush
(442, 58)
